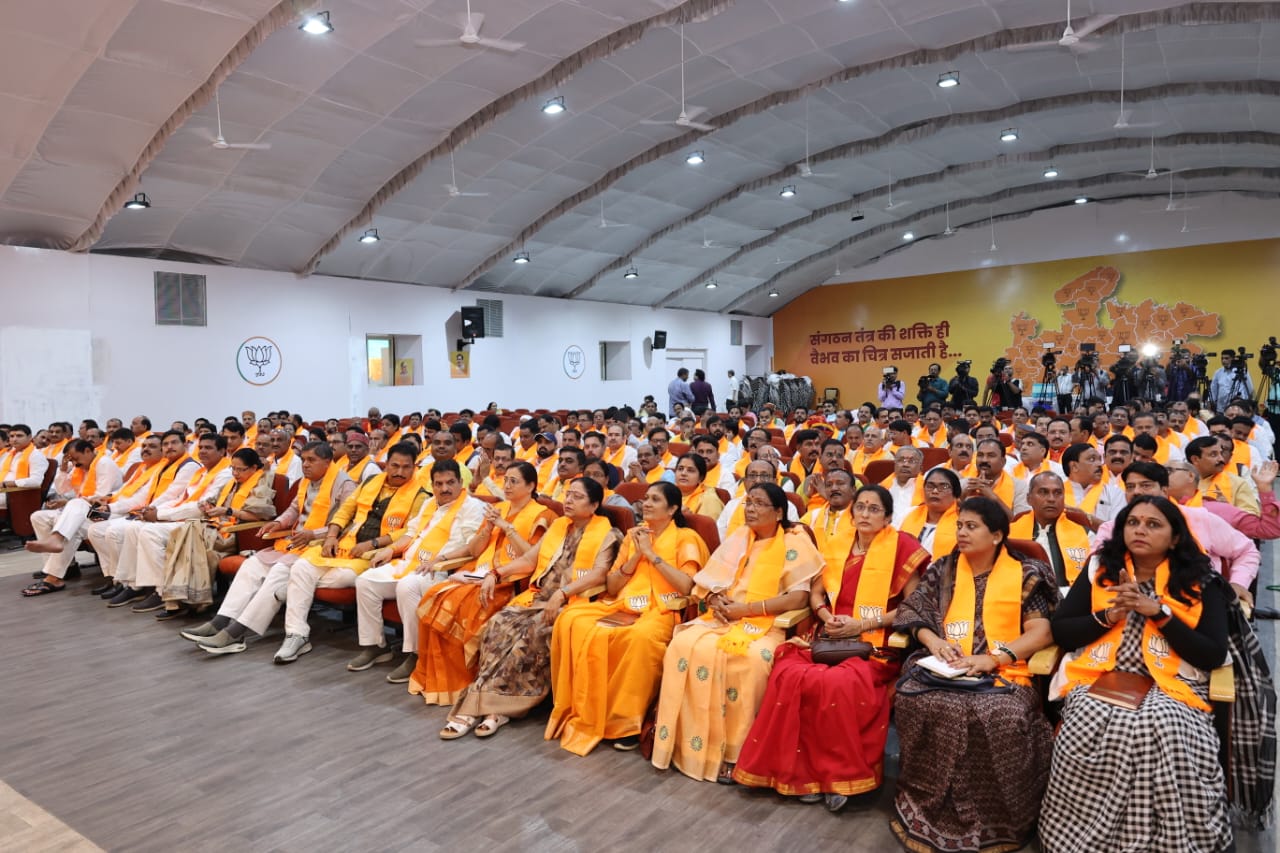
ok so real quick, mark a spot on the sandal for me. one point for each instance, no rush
(41, 588)
(491, 724)
(725, 777)
(455, 729)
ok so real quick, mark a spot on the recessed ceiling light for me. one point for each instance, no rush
(370, 236)
(1051, 172)
(773, 294)
(1082, 199)
(949, 80)
(520, 258)
(317, 24)
(555, 106)
(1009, 134)
(788, 191)
(138, 202)
(909, 236)
(631, 272)
(695, 158)
(1122, 237)
(711, 285)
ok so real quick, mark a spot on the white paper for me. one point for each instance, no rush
(940, 667)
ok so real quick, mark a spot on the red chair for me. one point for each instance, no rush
(1029, 548)
(249, 540)
(704, 526)
(677, 448)
(798, 503)
(551, 504)
(933, 457)
(877, 470)
(723, 494)
(24, 502)
(632, 491)
(620, 517)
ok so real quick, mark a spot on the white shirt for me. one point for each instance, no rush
(108, 479)
(726, 515)
(177, 490)
(186, 510)
(903, 499)
(465, 524)
(1109, 504)
(36, 468)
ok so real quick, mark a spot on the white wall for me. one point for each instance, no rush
(319, 324)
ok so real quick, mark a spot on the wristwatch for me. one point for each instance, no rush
(1164, 614)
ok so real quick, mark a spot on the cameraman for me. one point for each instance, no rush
(1006, 392)
(1182, 379)
(891, 390)
(1063, 384)
(1229, 381)
(1093, 382)
(963, 388)
(933, 388)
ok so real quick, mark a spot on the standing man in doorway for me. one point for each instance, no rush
(678, 391)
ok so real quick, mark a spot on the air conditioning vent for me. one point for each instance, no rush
(180, 299)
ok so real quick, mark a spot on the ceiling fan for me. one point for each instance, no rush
(220, 142)
(470, 37)
(604, 223)
(894, 205)
(804, 169)
(452, 186)
(1152, 172)
(1122, 121)
(687, 113)
(1172, 205)
(948, 231)
(1072, 39)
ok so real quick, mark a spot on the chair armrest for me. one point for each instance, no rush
(675, 604)
(1045, 661)
(240, 525)
(899, 640)
(1222, 684)
(1247, 609)
(790, 618)
(593, 591)
(455, 563)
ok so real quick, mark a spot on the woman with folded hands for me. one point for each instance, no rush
(1135, 764)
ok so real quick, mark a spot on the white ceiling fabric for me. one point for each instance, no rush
(361, 123)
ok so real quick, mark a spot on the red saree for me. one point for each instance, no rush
(822, 729)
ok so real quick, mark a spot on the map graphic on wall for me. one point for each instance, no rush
(258, 361)
(1082, 301)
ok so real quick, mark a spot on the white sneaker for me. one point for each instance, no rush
(293, 647)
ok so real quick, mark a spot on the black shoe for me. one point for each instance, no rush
(107, 585)
(73, 572)
(148, 604)
(126, 595)
(182, 610)
(112, 591)
(627, 744)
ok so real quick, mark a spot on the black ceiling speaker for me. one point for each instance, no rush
(472, 321)
(659, 339)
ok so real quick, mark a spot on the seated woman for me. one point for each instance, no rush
(822, 729)
(973, 765)
(607, 476)
(194, 549)
(513, 673)
(450, 614)
(606, 656)
(696, 495)
(933, 523)
(717, 666)
(1144, 778)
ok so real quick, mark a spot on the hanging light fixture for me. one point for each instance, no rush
(908, 237)
(1009, 134)
(555, 106)
(521, 258)
(773, 294)
(370, 236)
(138, 202)
(631, 272)
(949, 80)
(317, 24)
(1051, 172)
(711, 285)
(1082, 199)
(695, 158)
(788, 191)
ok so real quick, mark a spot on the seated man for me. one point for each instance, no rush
(905, 484)
(646, 467)
(1033, 458)
(1067, 543)
(1207, 456)
(259, 586)
(568, 468)
(719, 475)
(359, 463)
(1085, 488)
(285, 460)
(406, 568)
(117, 550)
(733, 515)
(373, 517)
(26, 463)
(617, 452)
(487, 481)
(86, 478)
(145, 539)
(992, 481)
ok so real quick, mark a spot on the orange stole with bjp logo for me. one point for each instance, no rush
(394, 519)
(321, 507)
(1001, 611)
(450, 617)
(583, 559)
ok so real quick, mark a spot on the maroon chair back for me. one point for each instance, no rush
(632, 491)
(878, 470)
(1029, 548)
(249, 540)
(798, 503)
(551, 504)
(620, 517)
(704, 526)
(22, 504)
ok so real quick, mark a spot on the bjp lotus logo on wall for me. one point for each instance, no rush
(258, 361)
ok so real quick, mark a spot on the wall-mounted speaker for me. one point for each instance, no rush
(659, 339)
(472, 321)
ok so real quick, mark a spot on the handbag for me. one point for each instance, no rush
(831, 651)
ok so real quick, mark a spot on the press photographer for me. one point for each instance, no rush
(1182, 378)
(963, 388)
(891, 390)
(1093, 382)
(1231, 380)
(1003, 391)
(933, 388)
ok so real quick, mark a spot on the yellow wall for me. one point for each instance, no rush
(1215, 296)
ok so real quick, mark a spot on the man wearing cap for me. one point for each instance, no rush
(359, 462)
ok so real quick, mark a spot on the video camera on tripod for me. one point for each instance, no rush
(1267, 355)
(1049, 359)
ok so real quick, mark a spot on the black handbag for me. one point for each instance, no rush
(836, 650)
(927, 682)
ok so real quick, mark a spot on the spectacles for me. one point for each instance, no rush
(868, 509)
(758, 475)
(759, 504)
(937, 487)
